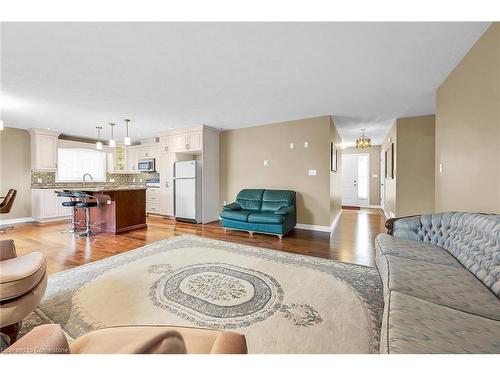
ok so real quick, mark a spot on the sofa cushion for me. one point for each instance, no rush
(416, 250)
(240, 215)
(265, 218)
(474, 239)
(250, 199)
(20, 275)
(451, 286)
(418, 326)
(273, 200)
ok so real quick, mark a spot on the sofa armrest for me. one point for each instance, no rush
(7, 250)
(392, 223)
(285, 210)
(232, 207)
(229, 343)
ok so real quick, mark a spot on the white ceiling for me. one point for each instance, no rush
(74, 76)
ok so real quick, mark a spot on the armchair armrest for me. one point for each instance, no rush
(7, 250)
(44, 339)
(232, 207)
(285, 210)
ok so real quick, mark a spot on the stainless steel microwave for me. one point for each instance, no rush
(146, 165)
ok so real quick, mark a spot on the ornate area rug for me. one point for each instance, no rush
(282, 302)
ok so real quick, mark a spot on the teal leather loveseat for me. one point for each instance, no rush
(263, 211)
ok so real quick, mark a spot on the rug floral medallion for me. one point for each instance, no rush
(282, 302)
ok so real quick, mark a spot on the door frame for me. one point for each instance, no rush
(368, 177)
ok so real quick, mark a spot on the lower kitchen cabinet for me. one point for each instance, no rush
(47, 206)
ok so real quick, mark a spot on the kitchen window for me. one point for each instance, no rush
(73, 163)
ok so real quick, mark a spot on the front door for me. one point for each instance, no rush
(355, 173)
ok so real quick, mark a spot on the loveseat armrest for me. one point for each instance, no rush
(232, 207)
(285, 210)
(405, 226)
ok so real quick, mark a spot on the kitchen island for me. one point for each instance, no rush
(120, 209)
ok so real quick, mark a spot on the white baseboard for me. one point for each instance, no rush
(335, 220)
(374, 206)
(51, 219)
(320, 228)
(16, 220)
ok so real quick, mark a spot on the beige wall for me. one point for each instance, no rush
(412, 189)
(15, 167)
(242, 155)
(335, 177)
(468, 130)
(390, 183)
(374, 153)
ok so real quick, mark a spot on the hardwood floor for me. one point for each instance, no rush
(351, 240)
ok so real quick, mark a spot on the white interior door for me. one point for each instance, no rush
(355, 180)
(382, 178)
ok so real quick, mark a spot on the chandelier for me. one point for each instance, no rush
(363, 141)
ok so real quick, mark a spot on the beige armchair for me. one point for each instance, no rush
(23, 281)
(50, 339)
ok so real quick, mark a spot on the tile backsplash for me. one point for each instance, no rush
(48, 180)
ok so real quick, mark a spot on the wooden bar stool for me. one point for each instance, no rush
(6, 206)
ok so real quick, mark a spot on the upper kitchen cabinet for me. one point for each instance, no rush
(44, 145)
(185, 140)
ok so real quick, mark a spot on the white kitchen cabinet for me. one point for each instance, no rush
(166, 169)
(190, 141)
(132, 158)
(44, 145)
(166, 144)
(195, 140)
(47, 206)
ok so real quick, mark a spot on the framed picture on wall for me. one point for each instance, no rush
(389, 162)
(333, 157)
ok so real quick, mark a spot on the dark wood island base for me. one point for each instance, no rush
(120, 210)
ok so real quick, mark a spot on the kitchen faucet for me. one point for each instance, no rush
(83, 178)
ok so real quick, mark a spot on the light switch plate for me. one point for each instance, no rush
(39, 180)
(311, 172)
(306, 144)
(266, 163)
(374, 175)
(291, 145)
(225, 202)
(440, 167)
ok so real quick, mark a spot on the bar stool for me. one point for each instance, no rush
(85, 203)
(71, 203)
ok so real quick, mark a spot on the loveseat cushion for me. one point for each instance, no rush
(263, 217)
(250, 199)
(446, 285)
(417, 326)
(390, 245)
(273, 200)
(240, 215)
(21, 274)
(473, 239)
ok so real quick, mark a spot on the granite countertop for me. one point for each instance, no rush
(92, 188)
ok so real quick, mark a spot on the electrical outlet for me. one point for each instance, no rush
(225, 202)
(266, 163)
(440, 167)
(111, 180)
(311, 172)
(133, 180)
(291, 145)
(39, 180)
(140, 179)
(306, 144)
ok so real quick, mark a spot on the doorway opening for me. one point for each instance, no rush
(355, 180)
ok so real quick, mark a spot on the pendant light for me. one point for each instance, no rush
(98, 144)
(127, 140)
(112, 142)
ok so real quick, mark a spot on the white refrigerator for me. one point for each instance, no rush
(187, 191)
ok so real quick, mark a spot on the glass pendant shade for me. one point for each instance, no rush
(127, 139)
(112, 142)
(98, 144)
(363, 141)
